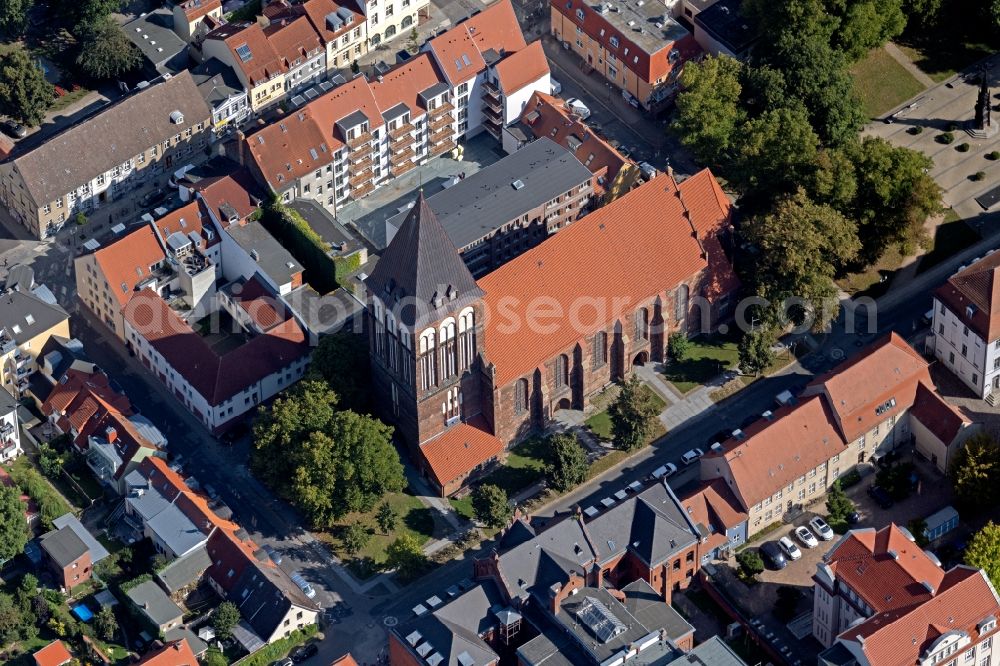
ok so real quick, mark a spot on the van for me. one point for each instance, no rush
(692, 456)
(554, 86)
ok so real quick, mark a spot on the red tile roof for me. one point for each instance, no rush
(262, 308)
(858, 389)
(317, 11)
(237, 190)
(175, 653)
(293, 39)
(188, 219)
(901, 637)
(459, 51)
(126, 262)
(53, 654)
(550, 117)
(943, 420)
(978, 286)
(404, 83)
(712, 503)
(216, 378)
(522, 67)
(646, 247)
(82, 396)
(884, 568)
(342, 101)
(346, 660)
(264, 61)
(460, 448)
(197, 8)
(283, 151)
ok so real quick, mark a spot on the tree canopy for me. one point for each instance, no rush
(226, 616)
(632, 415)
(491, 505)
(13, 526)
(975, 471)
(406, 557)
(983, 551)
(566, 461)
(25, 95)
(106, 51)
(14, 16)
(342, 361)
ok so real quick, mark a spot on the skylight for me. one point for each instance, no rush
(243, 51)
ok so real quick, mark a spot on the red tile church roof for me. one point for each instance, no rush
(459, 449)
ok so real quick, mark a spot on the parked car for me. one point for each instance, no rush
(789, 548)
(304, 652)
(821, 529)
(14, 129)
(692, 456)
(578, 107)
(649, 172)
(554, 86)
(628, 97)
(283, 662)
(773, 556)
(272, 553)
(881, 496)
(665, 471)
(806, 537)
(304, 585)
(853, 518)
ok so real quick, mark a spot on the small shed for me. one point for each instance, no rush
(940, 523)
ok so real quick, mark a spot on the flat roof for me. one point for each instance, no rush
(725, 22)
(154, 35)
(477, 206)
(273, 259)
(658, 28)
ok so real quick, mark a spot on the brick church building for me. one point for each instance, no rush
(462, 369)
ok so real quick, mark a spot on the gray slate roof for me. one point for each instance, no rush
(216, 81)
(264, 595)
(420, 265)
(453, 629)
(122, 130)
(175, 529)
(713, 652)
(272, 258)
(63, 546)
(184, 570)
(24, 316)
(154, 35)
(97, 551)
(154, 602)
(478, 205)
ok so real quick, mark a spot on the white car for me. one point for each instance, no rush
(821, 529)
(578, 107)
(806, 537)
(788, 547)
(555, 86)
(665, 471)
(692, 456)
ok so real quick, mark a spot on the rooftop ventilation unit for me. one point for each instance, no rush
(518, 184)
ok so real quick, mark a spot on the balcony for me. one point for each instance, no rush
(363, 138)
(442, 134)
(363, 190)
(401, 132)
(439, 111)
(360, 179)
(493, 114)
(397, 171)
(494, 103)
(491, 89)
(404, 156)
(438, 123)
(359, 153)
(441, 148)
(493, 129)
(362, 164)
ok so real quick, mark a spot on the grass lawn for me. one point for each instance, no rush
(951, 236)
(867, 281)
(708, 358)
(71, 97)
(414, 519)
(600, 423)
(942, 55)
(523, 467)
(463, 507)
(882, 83)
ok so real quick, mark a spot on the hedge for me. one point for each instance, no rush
(278, 649)
(295, 234)
(51, 505)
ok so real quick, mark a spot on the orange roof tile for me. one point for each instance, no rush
(901, 637)
(236, 190)
(458, 55)
(53, 654)
(283, 151)
(549, 116)
(943, 420)
(346, 660)
(646, 247)
(859, 388)
(403, 84)
(318, 10)
(978, 286)
(175, 653)
(263, 63)
(496, 28)
(260, 305)
(188, 219)
(293, 39)
(194, 9)
(459, 449)
(342, 101)
(126, 262)
(712, 503)
(522, 67)
(884, 568)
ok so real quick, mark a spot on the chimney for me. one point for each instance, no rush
(111, 434)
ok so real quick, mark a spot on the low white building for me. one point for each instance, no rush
(965, 329)
(10, 431)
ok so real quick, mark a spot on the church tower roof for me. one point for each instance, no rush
(421, 273)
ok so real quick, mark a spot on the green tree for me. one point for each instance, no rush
(983, 551)
(774, 151)
(838, 505)
(709, 114)
(106, 623)
(387, 517)
(802, 245)
(406, 557)
(14, 16)
(11, 619)
(491, 506)
(355, 537)
(413, 42)
(25, 95)
(214, 658)
(756, 350)
(918, 528)
(751, 563)
(225, 617)
(51, 461)
(566, 461)
(678, 346)
(342, 361)
(867, 24)
(78, 14)
(106, 51)
(632, 415)
(80, 218)
(13, 526)
(975, 471)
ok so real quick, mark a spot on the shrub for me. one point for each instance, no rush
(952, 127)
(852, 478)
(945, 138)
(750, 563)
(678, 346)
(994, 155)
(979, 175)
(915, 130)
(963, 147)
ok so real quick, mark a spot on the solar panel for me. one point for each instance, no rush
(311, 93)
(599, 620)
(243, 51)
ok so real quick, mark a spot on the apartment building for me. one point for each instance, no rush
(28, 320)
(363, 133)
(190, 17)
(260, 68)
(223, 92)
(965, 328)
(342, 29)
(879, 600)
(637, 46)
(10, 428)
(510, 206)
(142, 139)
(865, 407)
(546, 116)
(388, 20)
